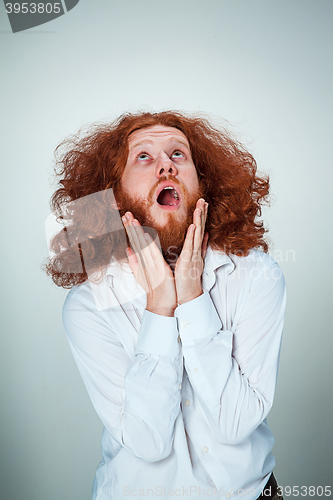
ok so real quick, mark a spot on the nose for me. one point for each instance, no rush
(165, 165)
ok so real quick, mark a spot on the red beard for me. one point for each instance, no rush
(172, 233)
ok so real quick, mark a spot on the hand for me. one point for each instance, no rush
(190, 264)
(150, 269)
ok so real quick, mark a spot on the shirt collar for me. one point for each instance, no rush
(216, 258)
(116, 268)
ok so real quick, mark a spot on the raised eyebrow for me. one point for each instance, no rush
(140, 144)
(184, 144)
(149, 142)
(181, 142)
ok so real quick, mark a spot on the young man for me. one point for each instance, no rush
(178, 349)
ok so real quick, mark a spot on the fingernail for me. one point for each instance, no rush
(135, 222)
(124, 219)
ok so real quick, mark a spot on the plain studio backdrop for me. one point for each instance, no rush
(263, 65)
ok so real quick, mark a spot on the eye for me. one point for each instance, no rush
(177, 154)
(143, 156)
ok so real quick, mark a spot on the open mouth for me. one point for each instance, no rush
(168, 197)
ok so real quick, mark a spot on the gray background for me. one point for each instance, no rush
(266, 67)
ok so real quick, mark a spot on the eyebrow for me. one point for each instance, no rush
(148, 141)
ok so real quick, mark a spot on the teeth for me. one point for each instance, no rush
(175, 194)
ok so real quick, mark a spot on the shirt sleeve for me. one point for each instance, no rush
(233, 373)
(138, 399)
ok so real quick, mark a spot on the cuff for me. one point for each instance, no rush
(158, 335)
(198, 319)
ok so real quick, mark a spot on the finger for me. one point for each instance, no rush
(142, 242)
(204, 245)
(137, 239)
(204, 218)
(199, 205)
(187, 250)
(198, 232)
(131, 236)
(141, 264)
(129, 216)
(203, 206)
(135, 243)
(132, 260)
(155, 251)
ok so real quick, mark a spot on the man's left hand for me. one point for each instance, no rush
(190, 264)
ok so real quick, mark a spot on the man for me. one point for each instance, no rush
(178, 349)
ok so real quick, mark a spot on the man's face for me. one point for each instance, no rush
(159, 184)
(159, 159)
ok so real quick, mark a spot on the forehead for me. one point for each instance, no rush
(156, 133)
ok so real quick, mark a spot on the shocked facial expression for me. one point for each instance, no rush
(160, 172)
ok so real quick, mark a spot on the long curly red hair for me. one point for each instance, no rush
(94, 163)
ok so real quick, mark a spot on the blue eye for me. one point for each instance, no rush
(143, 156)
(177, 154)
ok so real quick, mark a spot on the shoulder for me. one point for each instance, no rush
(80, 308)
(79, 296)
(255, 267)
(263, 272)
(256, 259)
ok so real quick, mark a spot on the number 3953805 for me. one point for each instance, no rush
(304, 491)
(33, 8)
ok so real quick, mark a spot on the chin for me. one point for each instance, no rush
(162, 216)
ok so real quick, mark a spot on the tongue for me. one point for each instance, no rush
(166, 197)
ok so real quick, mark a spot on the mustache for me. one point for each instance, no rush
(150, 196)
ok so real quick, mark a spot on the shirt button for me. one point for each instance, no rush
(228, 495)
(205, 449)
(179, 387)
(185, 324)
(196, 370)
(178, 338)
(187, 402)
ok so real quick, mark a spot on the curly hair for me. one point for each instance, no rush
(95, 162)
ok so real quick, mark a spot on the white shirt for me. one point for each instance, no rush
(183, 399)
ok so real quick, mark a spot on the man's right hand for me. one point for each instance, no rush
(150, 269)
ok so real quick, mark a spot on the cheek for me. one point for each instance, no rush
(192, 180)
(135, 184)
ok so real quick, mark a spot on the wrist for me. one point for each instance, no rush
(161, 311)
(159, 307)
(189, 296)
